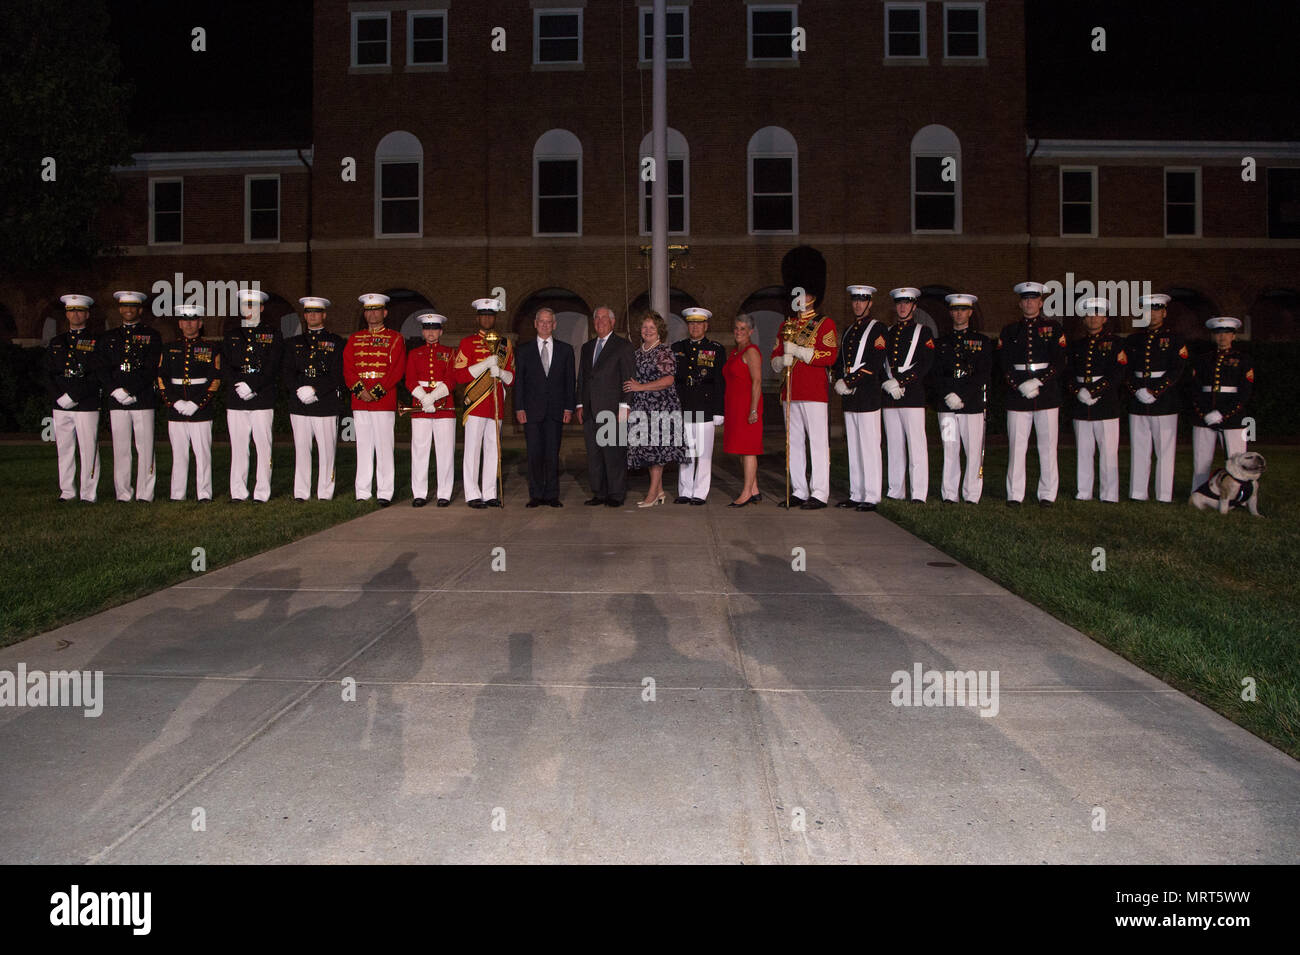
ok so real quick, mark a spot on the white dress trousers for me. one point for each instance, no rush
(1146, 432)
(962, 432)
(241, 425)
(1204, 441)
(862, 430)
(438, 434)
(480, 459)
(324, 430)
(126, 423)
(375, 465)
(187, 437)
(807, 421)
(77, 431)
(1100, 439)
(1045, 424)
(695, 474)
(909, 457)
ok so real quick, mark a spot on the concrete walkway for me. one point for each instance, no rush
(520, 698)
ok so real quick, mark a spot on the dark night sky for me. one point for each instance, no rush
(1172, 70)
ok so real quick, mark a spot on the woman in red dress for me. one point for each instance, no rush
(743, 408)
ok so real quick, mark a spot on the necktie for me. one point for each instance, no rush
(546, 357)
(600, 343)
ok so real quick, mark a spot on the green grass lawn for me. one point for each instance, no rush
(1200, 600)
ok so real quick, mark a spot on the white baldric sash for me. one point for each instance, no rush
(911, 352)
(866, 337)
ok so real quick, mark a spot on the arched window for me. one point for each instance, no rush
(399, 186)
(936, 180)
(557, 184)
(679, 185)
(773, 181)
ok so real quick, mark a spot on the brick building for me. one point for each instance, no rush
(497, 144)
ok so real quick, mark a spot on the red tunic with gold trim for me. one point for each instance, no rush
(425, 367)
(471, 351)
(374, 361)
(808, 380)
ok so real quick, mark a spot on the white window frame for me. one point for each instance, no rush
(388, 44)
(793, 156)
(539, 158)
(248, 207)
(541, 12)
(153, 182)
(1196, 170)
(909, 58)
(396, 156)
(642, 12)
(933, 152)
(410, 38)
(982, 31)
(684, 154)
(1060, 202)
(750, 10)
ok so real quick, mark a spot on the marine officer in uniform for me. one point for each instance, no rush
(1157, 357)
(1097, 364)
(430, 380)
(858, 371)
(700, 390)
(485, 368)
(808, 355)
(72, 383)
(251, 355)
(189, 377)
(1222, 381)
(374, 361)
(127, 358)
(963, 368)
(1033, 359)
(909, 353)
(313, 376)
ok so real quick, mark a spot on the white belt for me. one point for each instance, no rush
(1036, 366)
(1087, 381)
(1148, 374)
(1228, 390)
(189, 381)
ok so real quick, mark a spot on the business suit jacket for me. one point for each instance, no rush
(544, 398)
(600, 388)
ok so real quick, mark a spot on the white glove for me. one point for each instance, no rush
(789, 357)
(1213, 418)
(953, 401)
(717, 420)
(1091, 401)
(186, 408)
(778, 362)
(1145, 397)
(893, 388)
(479, 367)
(1029, 388)
(507, 376)
(428, 404)
(65, 401)
(440, 391)
(242, 389)
(419, 394)
(841, 388)
(307, 395)
(494, 371)
(1085, 396)
(491, 360)
(122, 397)
(803, 352)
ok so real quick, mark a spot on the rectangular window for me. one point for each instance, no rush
(676, 199)
(166, 200)
(1079, 201)
(261, 208)
(771, 32)
(557, 36)
(557, 197)
(370, 39)
(676, 35)
(934, 201)
(399, 198)
(426, 38)
(1182, 202)
(963, 30)
(904, 29)
(772, 203)
(1284, 203)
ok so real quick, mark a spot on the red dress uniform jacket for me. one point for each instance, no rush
(425, 367)
(471, 351)
(374, 360)
(808, 381)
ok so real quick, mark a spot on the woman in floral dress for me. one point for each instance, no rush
(654, 440)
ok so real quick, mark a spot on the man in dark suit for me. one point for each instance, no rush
(606, 362)
(544, 377)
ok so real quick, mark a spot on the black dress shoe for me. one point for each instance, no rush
(1012, 503)
(384, 502)
(866, 506)
(681, 499)
(492, 503)
(443, 502)
(794, 502)
(594, 502)
(613, 502)
(419, 502)
(555, 502)
(847, 504)
(476, 503)
(533, 502)
(1045, 503)
(697, 501)
(812, 505)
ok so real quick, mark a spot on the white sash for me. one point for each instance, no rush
(866, 337)
(911, 352)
